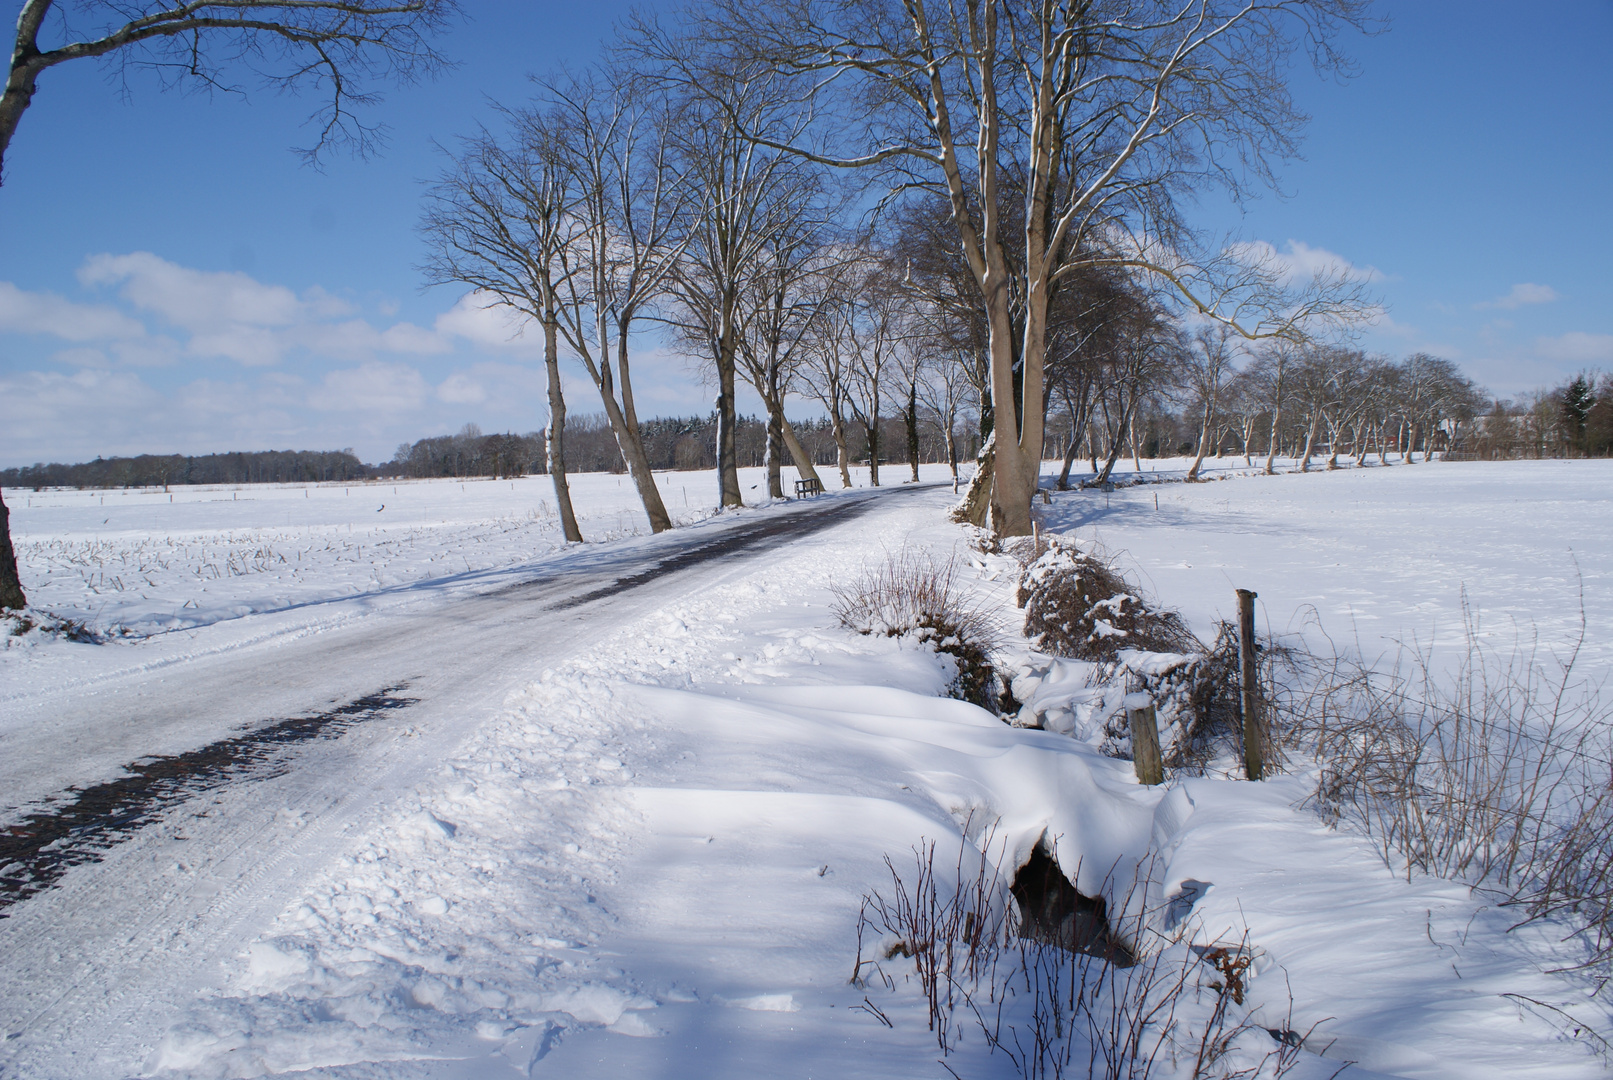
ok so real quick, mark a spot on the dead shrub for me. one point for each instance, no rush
(18, 624)
(1496, 773)
(913, 594)
(1051, 1010)
(1077, 605)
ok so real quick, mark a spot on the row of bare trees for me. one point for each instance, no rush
(895, 209)
(886, 205)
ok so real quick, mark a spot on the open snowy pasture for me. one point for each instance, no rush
(1373, 557)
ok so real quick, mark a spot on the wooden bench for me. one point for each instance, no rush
(810, 486)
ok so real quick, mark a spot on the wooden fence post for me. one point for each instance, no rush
(1254, 741)
(1145, 755)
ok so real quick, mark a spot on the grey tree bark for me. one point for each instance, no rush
(556, 443)
(614, 147)
(11, 594)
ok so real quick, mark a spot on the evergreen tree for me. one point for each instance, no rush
(1578, 398)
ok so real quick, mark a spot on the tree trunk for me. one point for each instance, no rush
(21, 82)
(11, 594)
(803, 461)
(556, 440)
(775, 455)
(913, 428)
(1136, 458)
(952, 450)
(1204, 444)
(1310, 443)
(628, 439)
(976, 504)
(727, 448)
(1072, 451)
(1271, 455)
(871, 428)
(1116, 445)
(775, 411)
(837, 424)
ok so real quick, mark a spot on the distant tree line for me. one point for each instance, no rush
(676, 443)
(1574, 419)
(164, 470)
(691, 442)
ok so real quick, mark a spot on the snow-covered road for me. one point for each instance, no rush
(174, 829)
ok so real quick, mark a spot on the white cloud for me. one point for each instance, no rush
(481, 319)
(1301, 263)
(82, 358)
(23, 312)
(233, 316)
(1576, 347)
(1523, 293)
(371, 387)
(196, 300)
(461, 389)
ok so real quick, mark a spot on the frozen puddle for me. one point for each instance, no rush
(42, 847)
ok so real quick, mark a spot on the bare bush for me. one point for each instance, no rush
(912, 594)
(1497, 774)
(1054, 1011)
(1079, 606)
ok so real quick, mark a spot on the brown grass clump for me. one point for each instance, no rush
(1076, 605)
(911, 594)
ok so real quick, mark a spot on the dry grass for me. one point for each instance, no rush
(1499, 773)
(1050, 1011)
(910, 593)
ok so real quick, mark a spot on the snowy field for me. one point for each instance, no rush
(648, 858)
(1374, 556)
(146, 560)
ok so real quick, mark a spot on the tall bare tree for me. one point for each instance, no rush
(828, 373)
(330, 46)
(503, 221)
(749, 194)
(788, 299)
(877, 334)
(630, 199)
(1097, 113)
(1207, 367)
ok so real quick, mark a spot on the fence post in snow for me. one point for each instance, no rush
(1254, 743)
(1145, 755)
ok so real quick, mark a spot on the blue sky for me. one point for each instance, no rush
(173, 280)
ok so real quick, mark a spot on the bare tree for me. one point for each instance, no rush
(828, 364)
(876, 335)
(502, 221)
(329, 45)
(943, 388)
(1207, 367)
(1271, 386)
(629, 199)
(749, 194)
(788, 298)
(1143, 357)
(1095, 114)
